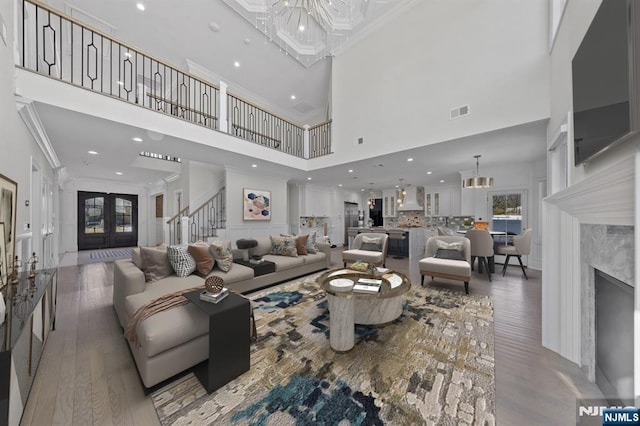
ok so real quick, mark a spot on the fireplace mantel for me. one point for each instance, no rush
(606, 197)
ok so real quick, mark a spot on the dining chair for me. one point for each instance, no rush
(481, 248)
(521, 247)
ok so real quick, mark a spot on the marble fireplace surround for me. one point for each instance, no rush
(610, 249)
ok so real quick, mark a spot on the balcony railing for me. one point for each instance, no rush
(61, 47)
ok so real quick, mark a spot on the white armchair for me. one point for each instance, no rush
(368, 247)
(442, 267)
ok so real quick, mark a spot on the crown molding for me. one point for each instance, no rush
(29, 114)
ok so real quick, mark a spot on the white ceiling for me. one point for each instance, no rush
(177, 34)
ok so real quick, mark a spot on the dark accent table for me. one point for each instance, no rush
(263, 268)
(229, 339)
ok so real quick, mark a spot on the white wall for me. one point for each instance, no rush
(396, 87)
(17, 147)
(236, 181)
(69, 208)
(205, 180)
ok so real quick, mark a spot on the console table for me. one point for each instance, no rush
(31, 315)
(229, 339)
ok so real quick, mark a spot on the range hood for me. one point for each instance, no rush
(413, 199)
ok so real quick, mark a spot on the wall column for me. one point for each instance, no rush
(222, 108)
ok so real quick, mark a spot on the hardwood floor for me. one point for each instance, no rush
(87, 374)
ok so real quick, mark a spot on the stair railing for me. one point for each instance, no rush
(208, 218)
(175, 229)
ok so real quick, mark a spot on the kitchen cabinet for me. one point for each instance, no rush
(389, 203)
(432, 204)
(444, 202)
(314, 202)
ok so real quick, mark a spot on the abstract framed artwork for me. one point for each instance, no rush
(8, 206)
(256, 204)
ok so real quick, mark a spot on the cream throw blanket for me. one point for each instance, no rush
(160, 304)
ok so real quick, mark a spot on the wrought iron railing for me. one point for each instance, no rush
(175, 227)
(64, 48)
(320, 140)
(252, 123)
(205, 221)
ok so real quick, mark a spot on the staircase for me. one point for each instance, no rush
(201, 224)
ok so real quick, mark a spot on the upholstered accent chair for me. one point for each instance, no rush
(521, 247)
(443, 232)
(447, 257)
(370, 247)
(481, 248)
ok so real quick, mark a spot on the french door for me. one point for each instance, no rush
(107, 220)
(508, 212)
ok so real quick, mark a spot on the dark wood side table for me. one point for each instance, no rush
(229, 339)
(262, 268)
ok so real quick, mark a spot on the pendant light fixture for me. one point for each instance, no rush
(401, 193)
(371, 201)
(477, 181)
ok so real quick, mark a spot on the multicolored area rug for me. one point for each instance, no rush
(433, 365)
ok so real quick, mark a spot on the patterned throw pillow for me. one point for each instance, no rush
(312, 247)
(284, 246)
(181, 261)
(222, 255)
(371, 243)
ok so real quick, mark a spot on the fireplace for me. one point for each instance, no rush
(614, 338)
(607, 258)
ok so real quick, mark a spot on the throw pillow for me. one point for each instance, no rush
(155, 263)
(312, 247)
(450, 254)
(372, 240)
(370, 247)
(301, 244)
(204, 259)
(222, 256)
(181, 261)
(284, 246)
(450, 246)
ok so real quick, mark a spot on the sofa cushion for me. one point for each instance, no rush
(301, 244)
(181, 261)
(284, 262)
(222, 255)
(445, 266)
(363, 255)
(314, 257)
(263, 247)
(136, 257)
(237, 273)
(172, 327)
(283, 246)
(155, 263)
(204, 259)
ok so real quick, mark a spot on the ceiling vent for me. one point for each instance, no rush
(459, 112)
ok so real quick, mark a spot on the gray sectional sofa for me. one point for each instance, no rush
(177, 339)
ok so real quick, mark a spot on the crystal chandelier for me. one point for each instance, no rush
(477, 181)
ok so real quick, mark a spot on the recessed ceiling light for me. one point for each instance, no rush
(293, 97)
(236, 64)
(214, 26)
(121, 83)
(140, 6)
(127, 54)
(301, 28)
(92, 152)
(362, 190)
(441, 180)
(339, 184)
(350, 170)
(119, 173)
(309, 178)
(136, 139)
(409, 159)
(254, 165)
(429, 172)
